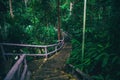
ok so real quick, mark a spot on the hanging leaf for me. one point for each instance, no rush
(87, 61)
(99, 56)
(105, 61)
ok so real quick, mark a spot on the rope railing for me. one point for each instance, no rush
(15, 72)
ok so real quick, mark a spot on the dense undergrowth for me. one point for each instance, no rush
(101, 58)
(36, 22)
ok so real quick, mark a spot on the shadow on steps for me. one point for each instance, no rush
(53, 68)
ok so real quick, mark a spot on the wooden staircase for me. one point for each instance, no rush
(53, 67)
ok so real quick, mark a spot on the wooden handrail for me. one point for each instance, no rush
(33, 54)
(78, 71)
(38, 46)
(27, 54)
(27, 45)
(16, 68)
(24, 73)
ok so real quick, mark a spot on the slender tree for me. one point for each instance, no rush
(83, 38)
(11, 11)
(59, 20)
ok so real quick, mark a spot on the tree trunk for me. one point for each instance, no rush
(59, 35)
(11, 11)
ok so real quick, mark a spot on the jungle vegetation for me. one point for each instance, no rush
(36, 21)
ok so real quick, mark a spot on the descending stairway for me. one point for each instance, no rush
(52, 69)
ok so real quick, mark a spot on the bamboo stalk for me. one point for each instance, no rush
(83, 37)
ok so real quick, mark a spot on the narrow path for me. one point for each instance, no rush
(52, 69)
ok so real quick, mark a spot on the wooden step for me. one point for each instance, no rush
(52, 69)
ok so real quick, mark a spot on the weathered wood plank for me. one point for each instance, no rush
(22, 45)
(13, 70)
(11, 54)
(33, 54)
(27, 45)
(24, 73)
(18, 71)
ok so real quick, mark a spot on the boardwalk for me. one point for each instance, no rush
(52, 69)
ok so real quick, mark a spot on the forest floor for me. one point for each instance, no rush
(53, 67)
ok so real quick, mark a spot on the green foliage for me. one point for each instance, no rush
(36, 22)
(101, 59)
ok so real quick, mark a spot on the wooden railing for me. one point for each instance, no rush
(56, 46)
(20, 71)
(77, 72)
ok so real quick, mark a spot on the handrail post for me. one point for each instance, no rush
(56, 48)
(25, 62)
(3, 52)
(46, 52)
